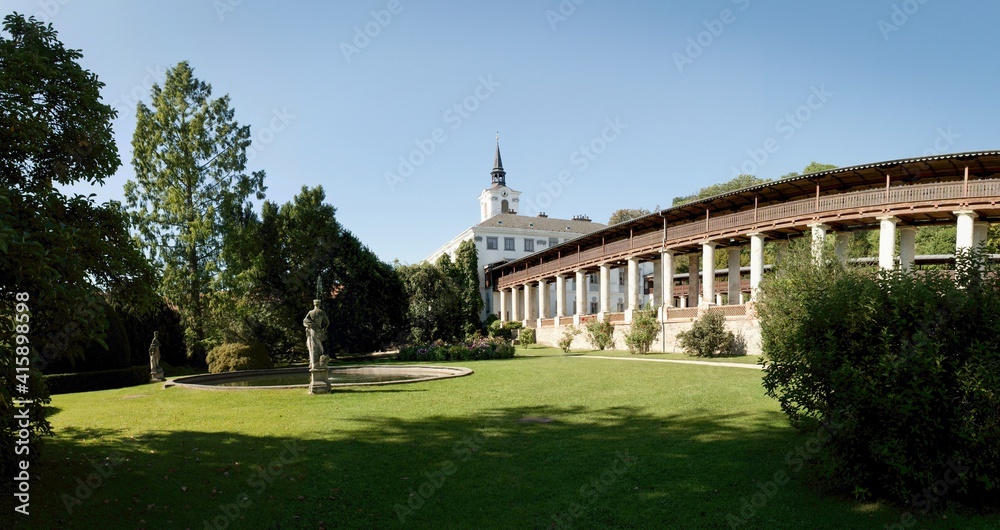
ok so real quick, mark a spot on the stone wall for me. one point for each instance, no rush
(749, 328)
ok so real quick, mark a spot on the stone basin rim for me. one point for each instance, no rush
(209, 381)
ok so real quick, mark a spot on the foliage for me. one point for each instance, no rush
(899, 367)
(737, 183)
(65, 253)
(813, 167)
(274, 262)
(708, 336)
(111, 353)
(435, 304)
(526, 336)
(472, 350)
(99, 380)
(643, 331)
(626, 214)
(232, 356)
(566, 341)
(601, 334)
(466, 275)
(504, 330)
(140, 328)
(189, 156)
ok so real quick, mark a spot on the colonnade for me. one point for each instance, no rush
(529, 302)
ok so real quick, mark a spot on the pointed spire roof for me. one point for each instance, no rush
(498, 175)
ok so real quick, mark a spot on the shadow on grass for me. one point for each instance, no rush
(532, 467)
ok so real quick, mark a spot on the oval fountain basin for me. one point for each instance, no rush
(340, 376)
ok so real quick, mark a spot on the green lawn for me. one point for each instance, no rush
(629, 445)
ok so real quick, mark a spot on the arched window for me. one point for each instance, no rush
(504, 206)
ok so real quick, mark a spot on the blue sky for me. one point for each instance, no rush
(600, 105)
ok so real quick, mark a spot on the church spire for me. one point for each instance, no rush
(498, 174)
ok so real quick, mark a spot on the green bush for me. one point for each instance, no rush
(101, 380)
(601, 334)
(234, 356)
(900, 369)
(643, 332)
(503, 330)
(567, 339)
(527, 336)
(708, 336)
(96, 357)
(474, 350)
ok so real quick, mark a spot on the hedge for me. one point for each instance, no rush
(103, 380)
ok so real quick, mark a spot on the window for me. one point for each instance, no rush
(553, 241)
(508, 243)
(491, 243)
(593, 306)
(593, 278)
(621, 277)
(529, 245)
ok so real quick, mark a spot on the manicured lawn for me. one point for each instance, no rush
(629, 445)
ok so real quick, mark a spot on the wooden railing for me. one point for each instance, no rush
(804, 208)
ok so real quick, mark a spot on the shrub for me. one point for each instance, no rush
(504, 330)
(708, 336)
(114, 354)
(527, 336)
(601, 334)
(233, 356)
(643, 332)
(900, 369)
(567, 339)
(100, 380)
(474, 350)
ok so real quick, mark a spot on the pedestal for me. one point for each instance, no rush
(317, 381)
(156, 375)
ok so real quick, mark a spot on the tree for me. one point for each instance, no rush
(189, 155)
(61, 257)
(813, 167)
(435, 306)
(466, 274)
(737, 183)
(627, 214)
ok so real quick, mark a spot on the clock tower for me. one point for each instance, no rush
(498, 198)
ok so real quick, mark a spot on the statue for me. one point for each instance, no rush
(155, 372)
(316, 323)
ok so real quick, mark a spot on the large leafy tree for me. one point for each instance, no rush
(64, 257)
(737, 183)
(466, 273)
(189, 155)
(435, 305)
(627, 214)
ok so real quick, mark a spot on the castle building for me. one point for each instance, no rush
(503, 235)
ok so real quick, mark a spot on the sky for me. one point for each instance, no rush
(393, 106)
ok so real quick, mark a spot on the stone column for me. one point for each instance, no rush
(887, 242)
(780, 247)
(708, 273)
(580, 282)
(756, 262)
(693, 291)
(529, 304)
(514, 311)
(842, 247)
(907, 246)
(605, 284)
(543, 301)
(503, 305)
(965, 236)
(632, 288)
(667, 277)
(980, 231)
(734, 275)
(818, 239)
(561, 295)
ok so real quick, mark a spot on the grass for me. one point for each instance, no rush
(543, 440)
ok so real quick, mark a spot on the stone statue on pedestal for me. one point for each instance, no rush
(316, 323)
(155, 372)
